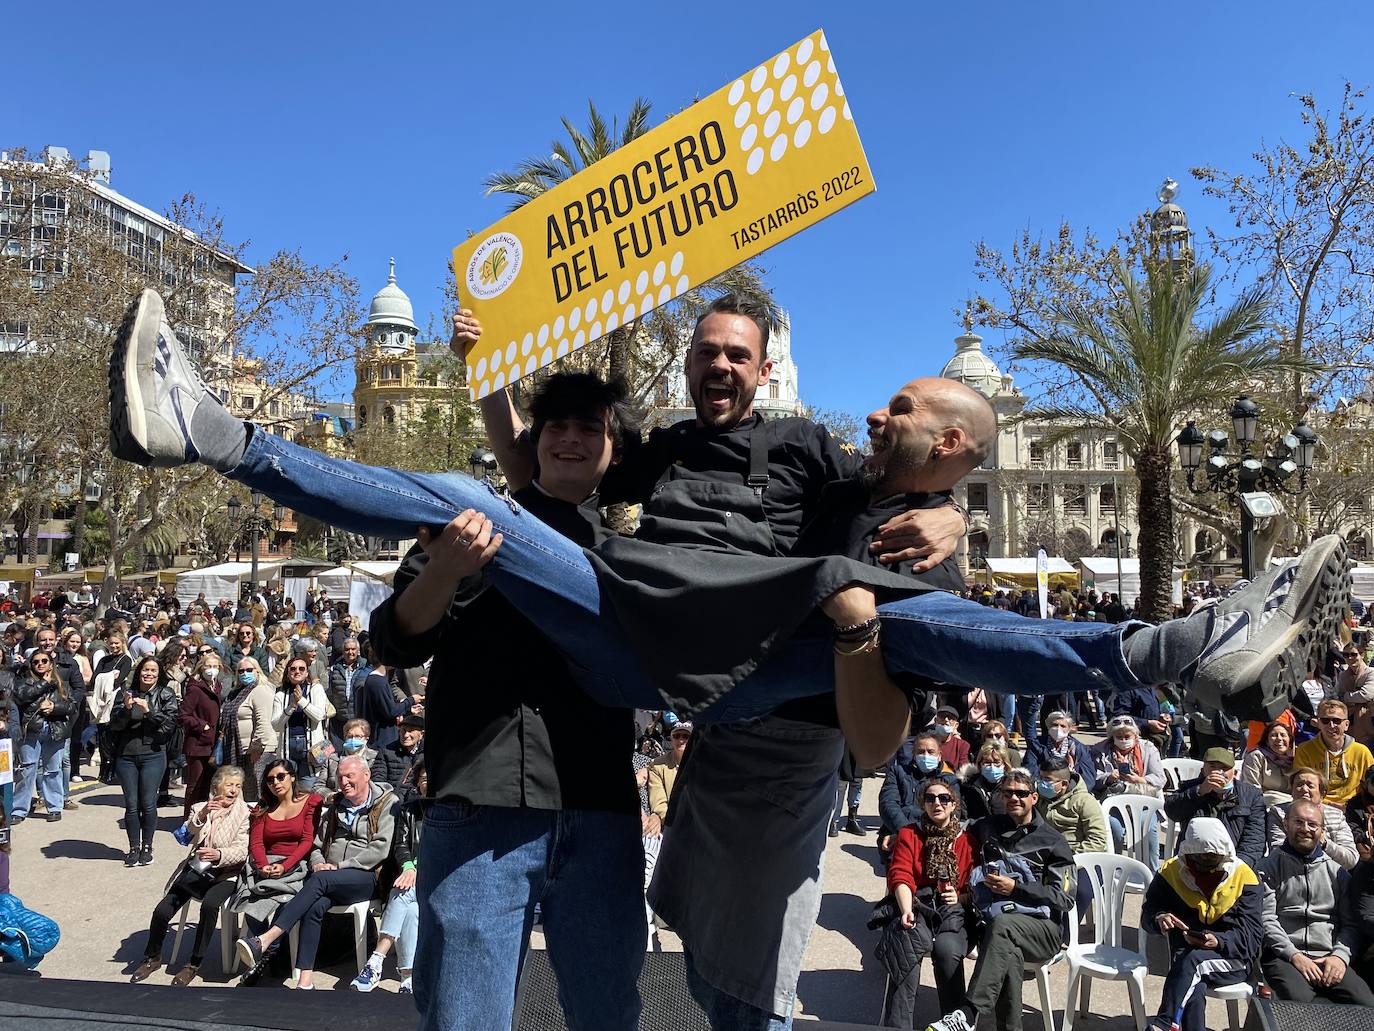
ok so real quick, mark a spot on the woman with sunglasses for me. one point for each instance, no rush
(280, 837)
(298, 708)
(45, 715)
(995, 732)
(928, 877)
(142, 721)
(73, 650)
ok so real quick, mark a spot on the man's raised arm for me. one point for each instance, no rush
(505, 430)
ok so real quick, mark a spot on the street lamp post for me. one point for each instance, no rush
(1243, 477)
(253, 522)
(256, 500)
(482, 464)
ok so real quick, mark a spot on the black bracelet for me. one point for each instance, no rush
(857, 631)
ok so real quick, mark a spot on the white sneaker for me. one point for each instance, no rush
(366, 980)
(955, 1021)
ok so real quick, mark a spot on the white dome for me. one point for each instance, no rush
(391, 306)
(972, 367)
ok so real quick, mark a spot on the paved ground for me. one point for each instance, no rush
(73, 870)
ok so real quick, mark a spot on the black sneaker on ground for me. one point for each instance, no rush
(54, 815)
(132, 858)
(145, 857)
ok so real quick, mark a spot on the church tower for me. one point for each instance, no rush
(385, 374)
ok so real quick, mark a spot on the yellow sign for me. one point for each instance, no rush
(757, 161)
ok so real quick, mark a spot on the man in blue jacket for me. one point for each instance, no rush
(1219, 793)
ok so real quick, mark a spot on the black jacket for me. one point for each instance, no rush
(343, 695)
(1239, 927)
(393, 766)
(1241, 810)
(1043, 848)
(155, 729)
(29, 693)
(9, 710)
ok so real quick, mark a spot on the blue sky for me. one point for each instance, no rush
(367, 128)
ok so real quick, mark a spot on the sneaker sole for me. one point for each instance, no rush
(128, 428)
(245, 954)
(1279, 666)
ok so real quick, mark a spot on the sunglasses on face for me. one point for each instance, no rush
(1016, 793)
(939, 799)
(275, 778)
(1331, 721)
(41, 660)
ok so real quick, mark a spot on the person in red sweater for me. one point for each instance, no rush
(953, 748)
(928, 877)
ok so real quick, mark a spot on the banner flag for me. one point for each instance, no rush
(1042, 582)
(759, 160)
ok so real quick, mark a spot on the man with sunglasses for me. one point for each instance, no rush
(1340, 758)
(1027, 877)
(1220, 793)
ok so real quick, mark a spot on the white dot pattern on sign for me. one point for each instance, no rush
(589, 312)
(642, 281)
(543, 334)
(666, 294)
(779, 147)
(765, 101)
(511, 348)
(495, 360)
(839, 88)
(788, 87)
(531, 365)
(794, 110)
(547, 357)
(623, 294)
(742, 114)
(660, 270)
(629, 315)
(812, 73)
(575, 318)
(771, 123)
(747, 138)
(682, 286)
(780, 66)
(676, 265)
(830, 65)
(759, 78)
(825, 43)
(804, 51)
(595, 332)
(826, 120)
(579, 340)
(612, 321)
(819, 96)
(607, 300)
(481, 370)
(499, 381)
(484, 389)
(736, 91)
(562, 347)
(755, 161)
(558, 325)
(803, 133)
(646, 304)
(527, 345)
(847, 116)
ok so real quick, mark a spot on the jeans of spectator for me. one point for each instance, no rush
(550, 579)
(212, 890)
(1183, 1002)
(1118, 830)
(401, 923)
(1176, 743)
(1030, 716)
(321, 891)
(482, 870)
(1006, 710)
(40, 765)
(139, 776)
(947, 962)
(297, 748)
(727, 1012)
(1288, 984)
(198, 775)
(847, 795)
(1083, 896)
(1011, 944)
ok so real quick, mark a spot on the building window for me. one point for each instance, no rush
(1038, 497)
(362, 415)
(1106, 498)
(246, 401)
(1109, 456)
(273, 409)
(773, 390)
(1075, 455)
(389, 415)
(1076, 499)
(1037, 454)
(978, 498)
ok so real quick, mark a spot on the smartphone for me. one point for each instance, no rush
(1124, 769)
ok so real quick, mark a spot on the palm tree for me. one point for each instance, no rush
(1146, 366)
(624, 358)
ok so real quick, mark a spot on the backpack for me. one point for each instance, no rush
(990, 905)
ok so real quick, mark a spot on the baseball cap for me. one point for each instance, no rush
(1221, 756)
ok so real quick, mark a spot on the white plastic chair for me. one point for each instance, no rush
(1176, 771)
(228, 931)
(1133, 811)
(1232, 995)
(360, 911)
(1042, 973)
(1108, 959)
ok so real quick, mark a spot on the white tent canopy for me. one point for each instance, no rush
(1100, 574)
(335, 581)
(1362, 583)
(222, 581)
(370, 586)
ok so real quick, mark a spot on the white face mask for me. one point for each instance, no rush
(1058, 734)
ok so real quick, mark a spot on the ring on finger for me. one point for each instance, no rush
(463, 542)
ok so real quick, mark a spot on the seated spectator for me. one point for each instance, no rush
(1355, 687)
(1217, 794)
(401, 919)
(395, 763)
(995, 732)
(1210, 906)
(931, 860)
(1359, 818)
(353, 841)
(1306, 785)
(219, 845)
(1066, 805)
(954, 750)
(1342, 760)
(980, 782)
(1142, 705)
(1058, 742)
(356, 732)
(1020, 890)
(1311, 933)
(899, 799)
(663, 773)
(1268, 766)
(1127, 764)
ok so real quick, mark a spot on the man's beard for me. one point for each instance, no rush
(902, 465)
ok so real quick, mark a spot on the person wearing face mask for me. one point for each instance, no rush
(199, 718)
(954, 750)
(1067, 806)
(981, 780)
(247, 738)
(356, 736)
(1210, 905)
(1218, 794)
(899, 800)
(1311, 933)
(1058, 743)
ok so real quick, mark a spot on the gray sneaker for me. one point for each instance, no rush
(161, 412)
(1263, 639)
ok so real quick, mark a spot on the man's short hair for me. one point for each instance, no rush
(926, 735)
(354, 759)
(741, 304)
(1303, 803)
(582, 395)
(1328, 705)
(1019, 775)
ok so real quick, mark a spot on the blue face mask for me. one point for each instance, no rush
(354, 744)
(942, 729)
(992, 774)
(1046, 788)
(248, 678)
(927, 763)
(1230, 785)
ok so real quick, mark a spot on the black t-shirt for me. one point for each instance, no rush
(506, 725)
(802, 458)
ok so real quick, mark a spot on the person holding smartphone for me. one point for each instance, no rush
(1210, 951)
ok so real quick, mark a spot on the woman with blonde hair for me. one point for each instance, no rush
(980, 781)
(245, 722)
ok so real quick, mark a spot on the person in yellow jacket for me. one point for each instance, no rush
(1334, 753)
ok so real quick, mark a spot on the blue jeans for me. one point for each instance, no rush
(321, 891)
(550, 580)
(483, 869)
(40, 762)
(139, 777)
(401, 923)
(727, 1013)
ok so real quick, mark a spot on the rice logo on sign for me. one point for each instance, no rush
(494, 265)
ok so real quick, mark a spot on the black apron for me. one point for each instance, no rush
(703, 594)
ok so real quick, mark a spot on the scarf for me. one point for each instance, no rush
(937, 856)
(229, 724)
(1283, 762)
(1060, 750)
(1136, 754)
